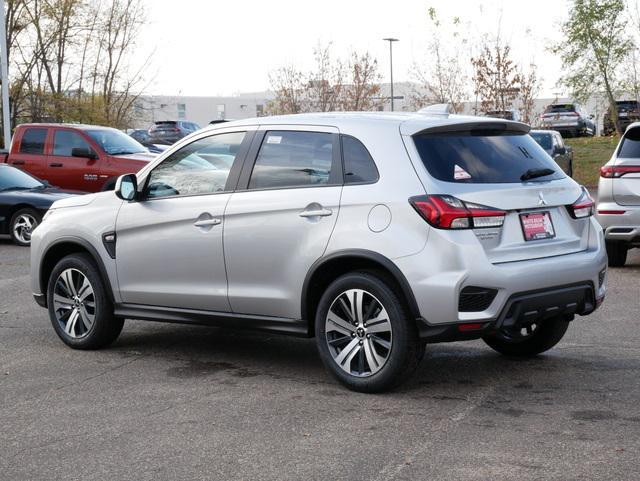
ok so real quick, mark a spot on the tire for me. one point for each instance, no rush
(91, 312)
(22, 224)
(616, 253)
(545, 336)
(377, 357)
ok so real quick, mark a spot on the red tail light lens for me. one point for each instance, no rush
(448, 212)
(615, 171)
(583, 207)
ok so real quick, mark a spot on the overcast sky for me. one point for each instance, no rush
(214, 47)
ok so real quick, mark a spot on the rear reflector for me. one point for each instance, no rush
(616, 171)
(471, 326)
(611, 212)
(583, 207)
(448, 212)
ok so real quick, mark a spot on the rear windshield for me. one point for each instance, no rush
(483, 158)
(560, 108)
(630, 145)
(630, 105)
(166, 125)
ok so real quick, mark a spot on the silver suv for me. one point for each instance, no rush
(375, 233)
(619, 197)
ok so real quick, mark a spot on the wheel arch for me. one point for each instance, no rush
(64, 247)
(326, 269)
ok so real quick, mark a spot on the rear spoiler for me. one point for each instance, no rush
(477, 128)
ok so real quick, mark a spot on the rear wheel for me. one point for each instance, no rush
(530, 340)
(22, 224)
(365, 335)
(79, 307)
(617, 253)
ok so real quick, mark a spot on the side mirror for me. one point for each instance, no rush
(561, 150)
(127, 186)
(83, 152)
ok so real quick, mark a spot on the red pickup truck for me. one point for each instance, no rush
(88, 158)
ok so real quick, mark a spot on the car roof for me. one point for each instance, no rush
(409, 123)
(71, 126)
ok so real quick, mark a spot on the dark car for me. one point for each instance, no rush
(144, 138)
(23, 202)
(628, 113)
(568, 119)
(553, 143)
(170, 131)
(503, 114)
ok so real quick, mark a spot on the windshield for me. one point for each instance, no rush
(12, 178)
(114, 142)
(483, 157)
(544, 140)
(630, 145)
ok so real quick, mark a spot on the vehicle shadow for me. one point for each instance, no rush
(451, 371)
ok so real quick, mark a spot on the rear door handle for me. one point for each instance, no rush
(55, 164)
(316, 213)
(207, 222)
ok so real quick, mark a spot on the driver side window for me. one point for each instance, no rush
(201, 167)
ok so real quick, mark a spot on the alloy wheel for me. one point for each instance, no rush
(358, 333)
(23, 227)
(74, 303)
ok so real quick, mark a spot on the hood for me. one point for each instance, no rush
(142, 156)
(48, 194)
(74, 200)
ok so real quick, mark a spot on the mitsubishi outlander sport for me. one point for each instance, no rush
(374, 233)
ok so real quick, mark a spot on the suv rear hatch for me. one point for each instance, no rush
(560, 115)
(485, 163)
(626, 169)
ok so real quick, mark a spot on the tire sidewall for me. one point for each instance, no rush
(404, 334)
(103, 310)
(15, 216)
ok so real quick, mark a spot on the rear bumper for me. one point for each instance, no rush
(438, 274)
(520, 309)
(620, 227)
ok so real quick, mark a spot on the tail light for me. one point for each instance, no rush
(615, 171)
(448, 212)
(583, 207)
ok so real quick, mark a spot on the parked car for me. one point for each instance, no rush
(619, 197)
(568, 119)
(141, 135)
(170, 131)
(553, 144)
(23, 202)
(628, 113)
(376, 234)
(87, 158)
(503, 114)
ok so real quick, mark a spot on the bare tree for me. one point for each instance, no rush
(529, 90)
(362, 90)
(288, 85)
(496, 77)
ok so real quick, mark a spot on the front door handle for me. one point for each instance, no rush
(18, 162)
(55, 164)
(207, 222)
(316, 213)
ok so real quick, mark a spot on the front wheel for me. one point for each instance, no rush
(79, 307)
(530, 340)
(22, 224)
(365, 335)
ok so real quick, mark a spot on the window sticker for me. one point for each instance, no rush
(460, 174)
(274, 139)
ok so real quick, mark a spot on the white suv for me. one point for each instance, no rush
(375, 233)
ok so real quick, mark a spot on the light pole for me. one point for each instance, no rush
(391, 40)
(4, 77)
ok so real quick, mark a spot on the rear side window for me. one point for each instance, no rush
(64, 141)
(483, 158)
(630, 146)
(33, 141)
(359, 167)
(293, 159)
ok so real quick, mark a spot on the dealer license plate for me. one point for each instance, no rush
(537, 226)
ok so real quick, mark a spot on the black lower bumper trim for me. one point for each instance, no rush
(520, 309)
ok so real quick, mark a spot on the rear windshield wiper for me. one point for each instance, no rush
(535, 173)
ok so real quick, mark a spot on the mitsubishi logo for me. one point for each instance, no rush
(541, 201)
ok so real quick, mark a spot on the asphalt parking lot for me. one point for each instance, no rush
(174, 402)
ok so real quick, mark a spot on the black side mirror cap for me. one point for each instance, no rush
(83, 152)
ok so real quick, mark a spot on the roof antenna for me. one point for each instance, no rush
(437, 109)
